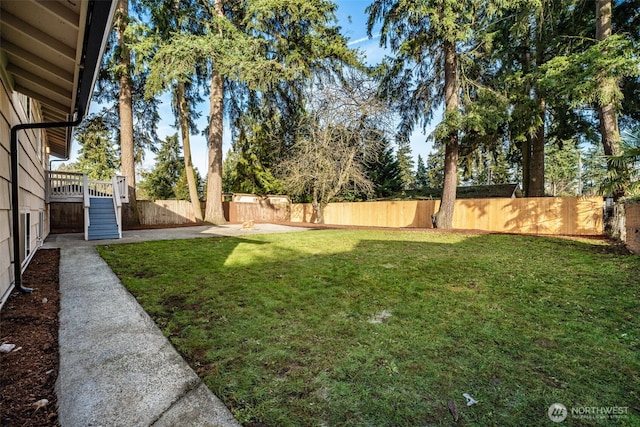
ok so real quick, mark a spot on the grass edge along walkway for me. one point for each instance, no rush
(361, 327)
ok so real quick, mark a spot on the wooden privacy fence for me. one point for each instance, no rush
(632, 223)
(543, 215)
(262, 210)
(155, 212)
(181, 211)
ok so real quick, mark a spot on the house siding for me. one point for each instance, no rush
(31, 178)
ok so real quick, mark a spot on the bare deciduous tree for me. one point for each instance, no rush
(344, 128)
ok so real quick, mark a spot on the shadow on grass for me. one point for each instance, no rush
(385, 328)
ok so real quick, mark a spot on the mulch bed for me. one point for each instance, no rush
(30, 321)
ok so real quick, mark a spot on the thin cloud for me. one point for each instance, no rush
(363, 39)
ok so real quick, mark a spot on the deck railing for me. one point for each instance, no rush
(64, 186)
(117, 204)
(70, 187)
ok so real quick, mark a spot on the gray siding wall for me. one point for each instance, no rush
(15, 109)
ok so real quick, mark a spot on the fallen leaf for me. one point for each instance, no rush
(454, 410)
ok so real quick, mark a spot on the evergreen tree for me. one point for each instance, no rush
(125, 112)
(385, 173)
(68, 167)
(593, 176)
(435, 168)
(229, 166)
(160, 183)
(421, 178)
(608, 86)
(589, 77)
(182, 188)
(405, 162)
(432, 41)
(252, 49)
(562, 170)
(626, 20)
(165, 17)
(525, 41)
(98, 158)
(249, 164)
(486, 165)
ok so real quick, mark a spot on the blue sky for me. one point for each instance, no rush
(353, 21)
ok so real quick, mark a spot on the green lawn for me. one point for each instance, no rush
(384, 328)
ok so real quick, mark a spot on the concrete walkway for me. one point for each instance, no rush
(116, 366)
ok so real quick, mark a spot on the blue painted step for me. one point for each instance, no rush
(102, 219)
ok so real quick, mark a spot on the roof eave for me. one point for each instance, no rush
(98, 24)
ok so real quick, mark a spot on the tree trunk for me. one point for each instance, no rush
(606, 113)
(183, 112)
(214, 212)
(609, 132)
(318, 213)
(536, 175)
(527, 144)
(125, 110)
(444, 216)
(536, 171)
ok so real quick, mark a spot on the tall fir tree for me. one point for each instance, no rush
(124, 110)
(162, 20)
(421, 178)
(97, 156)
(435, 168)
(182, 188)
(486, 165)
(125, 107)
(160, 183)
(385, 173)
(405, 162)
(251, 49)
(593, 170)
(430, 41)
(588, 77)
(563, 173)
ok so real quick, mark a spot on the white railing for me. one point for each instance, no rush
(123, 188)
(77, 187)
(117, 204)
(100, 189)
(86, 203)
(103, 190)
(70, 186)
(64, 186)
